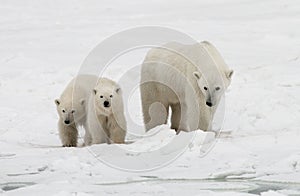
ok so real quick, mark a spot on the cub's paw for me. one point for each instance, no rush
(69, 145)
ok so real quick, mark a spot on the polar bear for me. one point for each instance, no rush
(191, 79)
(105, 120)
(71, 108)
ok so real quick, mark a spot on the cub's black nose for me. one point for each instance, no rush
(106, 104)
(67, 122)
(208, 103)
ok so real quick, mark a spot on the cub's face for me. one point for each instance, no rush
(213, 88)
(68, 113)
(105, 97)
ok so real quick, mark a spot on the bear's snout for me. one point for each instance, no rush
(106, 104)
(67, 122)
(208, 103)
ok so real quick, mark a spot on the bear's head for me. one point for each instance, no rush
(107, 98)
(69, 111)
(214, 86)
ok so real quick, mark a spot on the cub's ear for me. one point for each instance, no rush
(57, 102)
(118, 90)
(95, 91)
(229, 74)
(197, 75)
(82, 101)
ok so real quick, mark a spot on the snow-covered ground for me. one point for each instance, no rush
(42, 45)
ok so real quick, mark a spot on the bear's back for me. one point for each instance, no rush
(79, 88)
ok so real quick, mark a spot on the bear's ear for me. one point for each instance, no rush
(118, 90)
(57, 102)
(197, 75)
(95, 91)
(229, 74)
(82, 101)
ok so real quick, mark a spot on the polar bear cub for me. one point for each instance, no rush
(190, 79)
(71, 108)
(105, 119)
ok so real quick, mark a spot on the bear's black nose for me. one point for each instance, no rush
(67, 122)
(208, 103)
(106, 104)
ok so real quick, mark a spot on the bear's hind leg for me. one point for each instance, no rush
(179, 117)
(147, 100)
(87, 136)
(155, 110)
(176, 115)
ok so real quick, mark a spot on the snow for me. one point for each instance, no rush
(43, 44)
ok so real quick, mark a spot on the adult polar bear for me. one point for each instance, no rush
(190, 79)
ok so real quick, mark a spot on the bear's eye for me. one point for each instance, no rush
(101, 96)
(217, 88)
(110, 96)
(73, 111)
(205, 88)
(63, 111)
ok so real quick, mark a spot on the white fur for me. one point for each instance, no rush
(106, 124)
(71, 106)
(175, 76)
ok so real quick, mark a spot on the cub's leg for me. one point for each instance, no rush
(117, 135)
(68, 135)
(117, 131)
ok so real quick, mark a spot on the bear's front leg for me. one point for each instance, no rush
(117, 128)
(117, 135)
(68, 135)
(99, 138)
